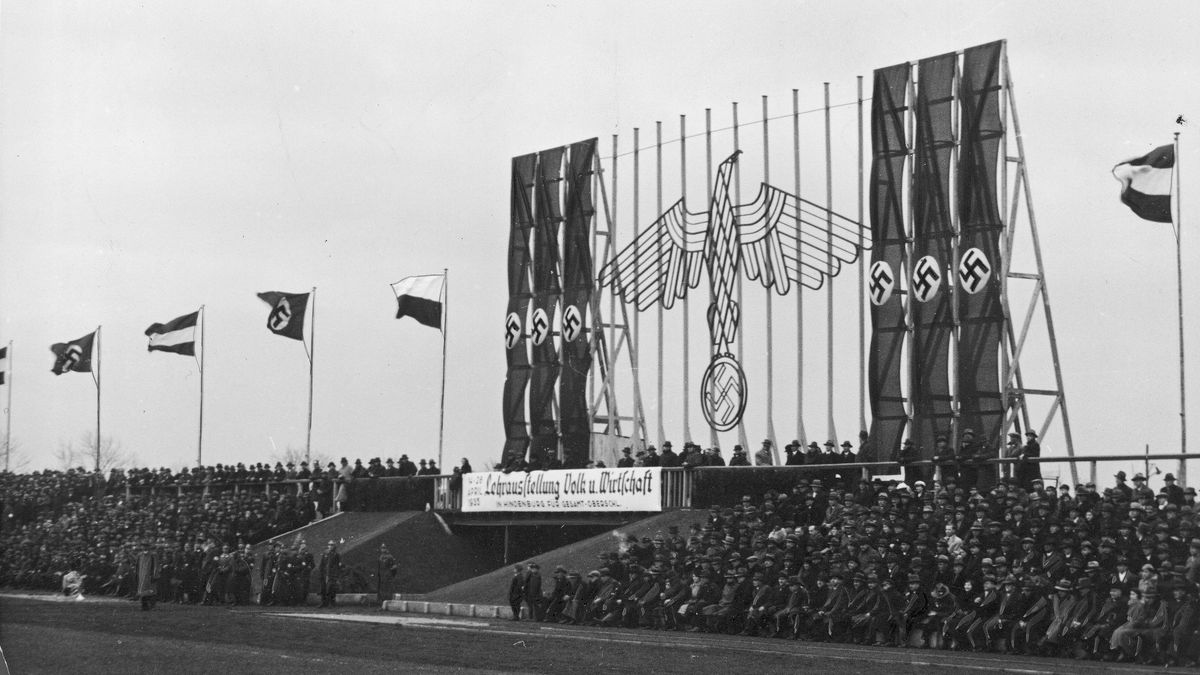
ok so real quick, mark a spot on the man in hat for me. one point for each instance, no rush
(559, 596)
(386, 573)
(516, 591)
(766, 454)
(1101, 623)
(668, 457)
(533, 592)
(945, 460)
(1140, 489)
(794, 453)
(330, 570)
(1064, 606)
(739, 457)
(913, 611)
(1180, 645)
(1173, 492)
(1027, 472)
(626, 461)
(849, 476)
(1122, 487)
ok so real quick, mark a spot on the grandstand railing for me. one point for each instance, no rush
(296, 486)
(683, 487)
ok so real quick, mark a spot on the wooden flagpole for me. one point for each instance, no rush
(800, 436)
(200, 363)
(96, 378)
(312, 352)
(8, 409)
(442, 403)
(1179, 288)
(829, 281)
(770, 308)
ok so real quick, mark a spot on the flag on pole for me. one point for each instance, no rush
(287, 313)
(3, 364)
(421, 298)
(1146, 183)
(177, 335)
(75, 355)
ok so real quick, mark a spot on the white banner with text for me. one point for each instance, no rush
(633, 489)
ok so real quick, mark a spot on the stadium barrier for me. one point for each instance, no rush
(684, 487)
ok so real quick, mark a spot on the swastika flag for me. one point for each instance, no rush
(75, 355)
(1146, 183)
(287, 313)
(421, 298)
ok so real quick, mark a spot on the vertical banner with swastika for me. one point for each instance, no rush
(546, 293)
(516, 431)
(577, 278)
(888, 236)
(981, 315)
(933, 252)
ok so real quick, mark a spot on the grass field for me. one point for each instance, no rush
(107, 636)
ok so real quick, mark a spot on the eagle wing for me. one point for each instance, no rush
(662, 262)
(786, 239)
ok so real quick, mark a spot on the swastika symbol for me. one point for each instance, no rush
(540, 326)
(281, 316)
(572, 323)
(882, 282)
(974, 270)
(723, 393)
(71, 357)
(512, 330)
(926, 278)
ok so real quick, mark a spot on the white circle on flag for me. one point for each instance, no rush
(882, 282)
(512, 330)
(926, 279)
(974, 270)
(572, 323)
(540, 326)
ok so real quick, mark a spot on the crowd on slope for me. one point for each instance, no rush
(1018, 568)
(52, 522)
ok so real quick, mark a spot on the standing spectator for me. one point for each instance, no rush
(466, 466)
(1027, 472)
(533, 591)
(626, 461)
(330, 569)
(386, 573)
(147, 576)
(765, 455)
(516, 591)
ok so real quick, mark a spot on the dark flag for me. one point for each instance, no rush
(3, 363)
(287, 313)
(75, 355)
(421, 298)
(1146, 183)
(177, 335)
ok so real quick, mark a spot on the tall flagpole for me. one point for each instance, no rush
(8, 410)
(1179, 286)
(200, 436)
(312, 352)
(829, 281)
(96, 367)
(445, 324)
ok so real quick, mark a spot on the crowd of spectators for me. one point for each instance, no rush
(52, 522)
(1018, 567)
(199, 523)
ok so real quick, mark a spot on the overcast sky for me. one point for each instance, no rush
(155, 157)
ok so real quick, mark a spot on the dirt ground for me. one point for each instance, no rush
(108, 636)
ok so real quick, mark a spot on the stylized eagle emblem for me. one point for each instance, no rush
(782, 240)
